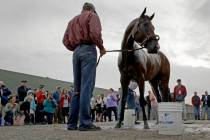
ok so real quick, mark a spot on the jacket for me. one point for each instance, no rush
(196, 101)
(206, 102)
(22, 93)
(49, 105)
(83, 29)
(62, 100)
(180, 93)
(4, 93)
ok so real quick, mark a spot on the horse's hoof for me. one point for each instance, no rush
(146, 127)
(118, 125)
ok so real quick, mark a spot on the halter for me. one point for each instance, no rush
(147, 38)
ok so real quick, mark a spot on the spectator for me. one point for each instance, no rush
(22, 91)
(93, 108)
(25, 109)
(82, 36)
(10, 110)
(118, 96)
(98, 108)
(40, 97)
(148, 106)
(131, 95)
(30, 98)
(131, 101)
(196, 102)
(180, 93)
(4, 94)
(111, 104)
(154, 105)
(104, 108)
(49, 107)
(71, 92)
(58, 110)
(205, 105)
(137, 109)
(64, 104)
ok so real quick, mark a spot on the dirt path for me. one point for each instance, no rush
(58, 132)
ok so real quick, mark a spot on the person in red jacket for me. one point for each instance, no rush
(64, 103)
(196, 102)
(40, 97)
(180, 92)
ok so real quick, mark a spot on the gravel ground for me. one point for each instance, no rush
(193, 131)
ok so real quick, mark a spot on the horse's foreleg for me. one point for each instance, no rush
(165, 91)
(142, 101)
(124, 86)
(154, 84)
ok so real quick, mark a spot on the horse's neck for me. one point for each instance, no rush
(128, 40)
(127, 43)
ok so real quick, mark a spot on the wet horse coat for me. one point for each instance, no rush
(142, 66)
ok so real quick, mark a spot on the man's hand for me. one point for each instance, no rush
(102, 52)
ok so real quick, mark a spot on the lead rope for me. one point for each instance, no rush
(128, 50)
(131, 50)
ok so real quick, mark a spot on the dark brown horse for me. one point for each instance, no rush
(141, 66)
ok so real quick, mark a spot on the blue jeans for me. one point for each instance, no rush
(131, 99)
(84, 68)
(205, 109)
(197, 112)
(137, 111)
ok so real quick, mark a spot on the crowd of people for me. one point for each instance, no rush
(39, 106)
(201, 106)
(33, 106)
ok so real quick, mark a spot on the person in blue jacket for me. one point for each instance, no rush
(4, 93)
(50, 105)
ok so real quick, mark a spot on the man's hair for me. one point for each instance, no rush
(111, 89)
(88, 6)
(178, 80)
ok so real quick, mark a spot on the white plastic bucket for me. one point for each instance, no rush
(170, 118)
(129, 118)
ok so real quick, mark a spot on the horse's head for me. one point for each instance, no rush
(143, 33)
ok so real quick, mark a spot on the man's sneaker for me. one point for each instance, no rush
(137, 123)
(90, 128)
(72, 128)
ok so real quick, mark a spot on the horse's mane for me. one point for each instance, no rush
(127, 34)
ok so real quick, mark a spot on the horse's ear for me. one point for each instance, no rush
(152, 16)
(143, 13)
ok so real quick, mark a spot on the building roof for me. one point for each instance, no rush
(12, 81)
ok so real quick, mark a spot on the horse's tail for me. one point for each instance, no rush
(165, 77)
(164, 59)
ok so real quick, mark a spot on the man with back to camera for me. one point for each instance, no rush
(81, 36)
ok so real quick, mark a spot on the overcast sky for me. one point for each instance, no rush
(31, 35)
